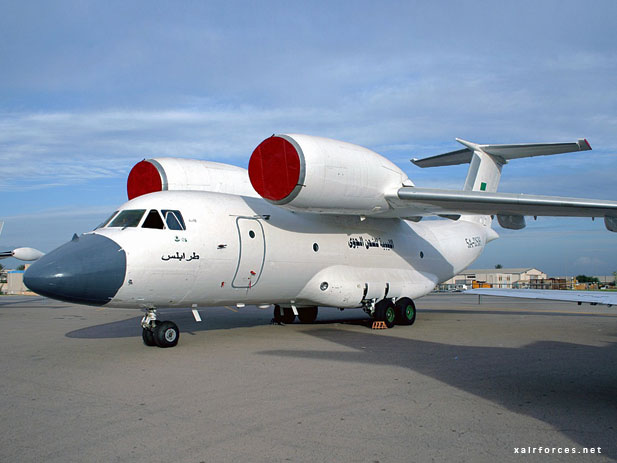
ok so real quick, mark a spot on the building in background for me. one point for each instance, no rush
(15, 282)
(12, 282)
(498, 278)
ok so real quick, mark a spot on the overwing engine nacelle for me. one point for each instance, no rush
(314, 174)
(160, 174)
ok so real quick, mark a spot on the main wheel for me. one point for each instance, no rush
(166, 334)
(405, 311)
(148, 337)
(277, 316)
(307, 314)
(288, 315)
(385, 312)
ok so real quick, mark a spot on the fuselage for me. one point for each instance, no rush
(243, 250)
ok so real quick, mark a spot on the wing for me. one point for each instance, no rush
(480, 196)
(592, 297)
(412, 201)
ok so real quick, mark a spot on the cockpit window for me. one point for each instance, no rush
(107, 221)
(128, 218)
(153, 220)
(174, 220)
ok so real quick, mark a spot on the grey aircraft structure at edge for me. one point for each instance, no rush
(313, 222)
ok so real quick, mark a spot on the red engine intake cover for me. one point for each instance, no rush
(274, 168)
(144, 178)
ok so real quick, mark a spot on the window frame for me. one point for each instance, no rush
(120, 212)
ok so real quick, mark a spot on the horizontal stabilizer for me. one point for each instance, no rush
(502, 152)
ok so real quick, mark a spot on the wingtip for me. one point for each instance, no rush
(584, 144)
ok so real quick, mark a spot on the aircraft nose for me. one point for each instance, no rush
(89, 269)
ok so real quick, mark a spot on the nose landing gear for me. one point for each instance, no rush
(157, 333)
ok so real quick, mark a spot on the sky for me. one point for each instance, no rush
(88, 89)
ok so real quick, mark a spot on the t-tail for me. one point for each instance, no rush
(485, 164)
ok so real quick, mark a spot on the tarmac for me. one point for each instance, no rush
(468, 382)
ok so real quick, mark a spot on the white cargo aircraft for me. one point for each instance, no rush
(314, 222)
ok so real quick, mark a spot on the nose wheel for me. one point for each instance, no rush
(157, 333)
(148, 336)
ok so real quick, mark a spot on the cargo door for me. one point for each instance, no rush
(252, 253)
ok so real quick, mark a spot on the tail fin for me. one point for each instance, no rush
(486, 162)
(484, 172)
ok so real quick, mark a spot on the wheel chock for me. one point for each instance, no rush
(379, 326)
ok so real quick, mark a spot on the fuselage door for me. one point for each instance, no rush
(252, 253)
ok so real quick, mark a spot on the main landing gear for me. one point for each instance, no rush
(401, 312)
(157, 333)
(286, 315)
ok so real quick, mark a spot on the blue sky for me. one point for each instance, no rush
(87, 89)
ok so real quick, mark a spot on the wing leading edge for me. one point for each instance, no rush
(412, 201)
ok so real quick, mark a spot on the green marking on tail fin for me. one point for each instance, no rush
(483, 186)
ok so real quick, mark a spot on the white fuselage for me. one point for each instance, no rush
(244, 250)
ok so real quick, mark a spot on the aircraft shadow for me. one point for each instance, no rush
(569, 386)
(213, 319)
(220, 318)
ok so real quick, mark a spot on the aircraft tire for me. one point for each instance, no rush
(385, 311)
(276, 315)
(288, 315)
(307, 314)
(166, 334)
(148, 337)
(405, 311)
